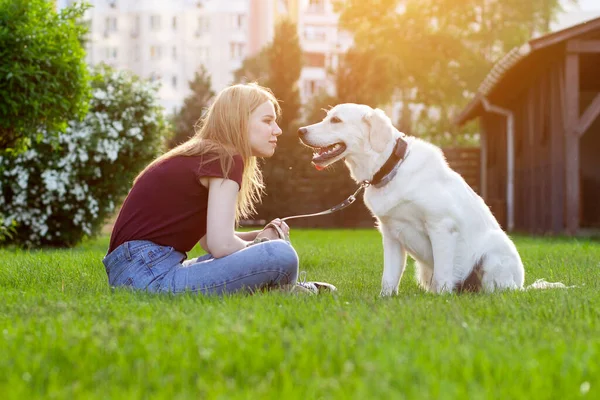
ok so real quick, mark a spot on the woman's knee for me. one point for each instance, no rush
(285, 256)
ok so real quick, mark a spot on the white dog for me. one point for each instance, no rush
(423, 207)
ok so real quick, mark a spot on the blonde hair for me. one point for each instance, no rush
(222, 133)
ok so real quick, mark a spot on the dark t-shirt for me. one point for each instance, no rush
(167, 205)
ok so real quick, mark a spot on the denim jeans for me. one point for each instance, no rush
(144, 265)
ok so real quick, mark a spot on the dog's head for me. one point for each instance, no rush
(347, 130)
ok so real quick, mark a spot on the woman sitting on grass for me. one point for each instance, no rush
(196, 193)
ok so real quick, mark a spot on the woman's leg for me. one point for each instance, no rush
(264, 265)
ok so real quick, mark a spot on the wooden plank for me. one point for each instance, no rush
(483, 164)
(530, 157)
(557, 145)
(572, 143)
(589, 116)
(544, 166)
(583, 46)
(566, 34)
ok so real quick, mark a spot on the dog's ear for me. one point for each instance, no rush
(380, 129)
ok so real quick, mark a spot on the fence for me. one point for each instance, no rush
(466, 161)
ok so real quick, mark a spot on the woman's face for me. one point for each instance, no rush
(263, 130)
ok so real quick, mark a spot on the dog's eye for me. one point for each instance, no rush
(335, 120)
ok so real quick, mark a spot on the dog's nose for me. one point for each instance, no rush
(302, 131)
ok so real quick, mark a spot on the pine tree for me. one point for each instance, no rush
(285, 64)
(254, 69)
(193, 107)
(284, 57)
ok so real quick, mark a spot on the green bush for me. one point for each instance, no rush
(43, 75)
(59, 193)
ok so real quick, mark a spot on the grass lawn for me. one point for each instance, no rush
(65, 334)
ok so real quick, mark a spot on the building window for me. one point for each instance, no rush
(174, 82)
(314, 60)
(154, 76)
(155, 52)
(174, 53)
(174, 23)
(312, 32)
(204, 54)
(111, 53)
(136, 27)
(110, 24)
(311, 87)
(136, 53)
(155, 22)
(203, 26)
(237, 21)
(236, 50)
(316, 6)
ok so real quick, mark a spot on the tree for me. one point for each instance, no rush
(285, 64)
(439, 51)
(362, 76)
(58, 195)
(193, 106)
(254, 69)
(43, 75)
(284, 60)
(318, 105)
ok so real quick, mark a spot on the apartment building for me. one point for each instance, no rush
(322, 42)
(167, 41)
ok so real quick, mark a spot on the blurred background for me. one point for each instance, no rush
(508, 89)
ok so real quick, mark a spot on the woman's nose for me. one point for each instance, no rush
(277, 131)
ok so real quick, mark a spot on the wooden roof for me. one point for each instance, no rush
(517, 66)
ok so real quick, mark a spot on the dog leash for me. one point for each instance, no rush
(351, 199)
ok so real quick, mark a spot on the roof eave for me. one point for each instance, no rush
(472, 110)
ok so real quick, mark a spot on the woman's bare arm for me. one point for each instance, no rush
(221, 238)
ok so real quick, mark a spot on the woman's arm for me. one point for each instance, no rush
(220, 221)
(248, 236)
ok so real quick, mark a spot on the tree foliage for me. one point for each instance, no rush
(254, 69)
(185, 120)
(439, 51)
(59, 191)
(43, 75)
(282, 61)
(362, 77)
(285, 65)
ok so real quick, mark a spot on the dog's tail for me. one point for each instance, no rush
(543, 284)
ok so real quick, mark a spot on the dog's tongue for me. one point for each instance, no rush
(318, 167)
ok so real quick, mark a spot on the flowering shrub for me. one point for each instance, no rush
(60, 192)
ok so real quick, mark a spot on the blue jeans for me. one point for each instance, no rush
(144, 265)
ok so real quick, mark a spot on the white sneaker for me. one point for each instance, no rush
(315, 287)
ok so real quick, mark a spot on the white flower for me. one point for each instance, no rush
(47, 185)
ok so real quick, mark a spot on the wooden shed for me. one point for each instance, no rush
(540, 133)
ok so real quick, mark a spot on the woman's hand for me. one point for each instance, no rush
(271, 233)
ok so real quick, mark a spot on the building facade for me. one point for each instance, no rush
(322, 42)
(169, 40)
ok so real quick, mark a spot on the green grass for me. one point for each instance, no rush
(65, 334)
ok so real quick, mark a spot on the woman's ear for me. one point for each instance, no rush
(380, 129)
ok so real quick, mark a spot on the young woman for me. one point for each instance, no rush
(197, 192)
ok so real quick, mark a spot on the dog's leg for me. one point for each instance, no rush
(394, 262)
(443, 235)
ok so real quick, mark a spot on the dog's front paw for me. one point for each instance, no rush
(387, 292)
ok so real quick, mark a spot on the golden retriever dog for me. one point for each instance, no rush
(422, 206)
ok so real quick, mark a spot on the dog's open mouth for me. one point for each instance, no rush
(324, 154)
